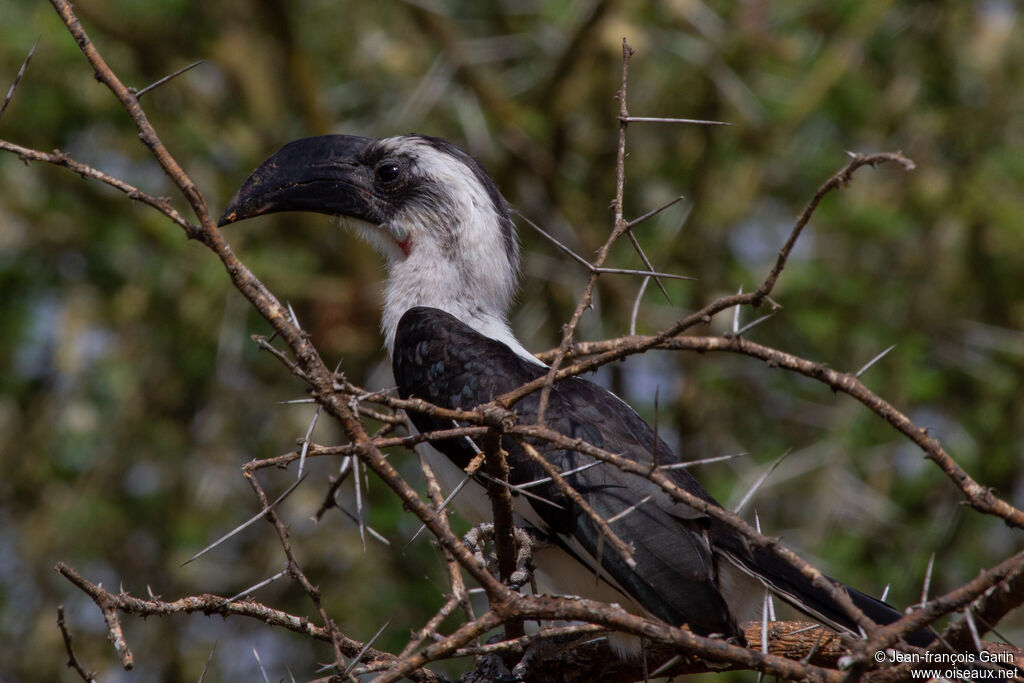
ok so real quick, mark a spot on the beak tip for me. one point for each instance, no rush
(229, 216)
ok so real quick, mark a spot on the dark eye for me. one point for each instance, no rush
(388, 173)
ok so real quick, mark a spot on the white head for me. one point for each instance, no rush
(428, 207)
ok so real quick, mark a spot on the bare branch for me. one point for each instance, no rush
(988, 609)
(840, 179)
(58, 158)
(620, 226)
(17, 78)
(72, 662)
(213, 604)
(979, 497)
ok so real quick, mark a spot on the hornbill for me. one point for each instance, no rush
(453, 263)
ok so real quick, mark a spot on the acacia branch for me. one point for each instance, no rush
(882, 637)
(130, 101)
(989, 608)
(72, 662)
(978, 497)
(619, 227)
(506, 420)
(705, 314)
(59, 158)
(214, 604)
(839, 179)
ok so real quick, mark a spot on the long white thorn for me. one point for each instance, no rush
(444, 504)
(256, 587)
(519, 489)
(306, 439)
(263, 671)
(761, 480)
(359, 504)
(628, 510)
(243, 525)
(362, 652)
(927, 580)
(567, 473)
(736, 315)
(636, 305)
(753, 323)
(703, 461)
(874, 360)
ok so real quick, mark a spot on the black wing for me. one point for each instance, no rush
(441, 360)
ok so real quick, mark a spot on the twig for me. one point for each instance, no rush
(990, 608)
(619, 227)
(59, 158)
(72, 662)
(621, 547)
(17, 78)
(841, 178)
(496, 465)
(979, 497)
(455, 581)
(882, 637)
(283, 535)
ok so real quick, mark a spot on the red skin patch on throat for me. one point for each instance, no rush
(405, 245)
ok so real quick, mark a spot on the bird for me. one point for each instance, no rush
(452, 256)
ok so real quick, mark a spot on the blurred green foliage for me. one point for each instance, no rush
(130, 393)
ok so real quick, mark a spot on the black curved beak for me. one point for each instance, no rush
(321, 174)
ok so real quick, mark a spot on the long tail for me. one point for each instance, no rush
(792, 587)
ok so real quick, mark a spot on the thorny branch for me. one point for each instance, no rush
(620, 226)
(979, 497)
(72, 662)
(988, 597)
(215, 604)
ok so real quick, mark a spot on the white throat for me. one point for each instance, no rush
(437, 283)
(475, 283)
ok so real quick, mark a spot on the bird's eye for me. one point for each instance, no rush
(388, 173)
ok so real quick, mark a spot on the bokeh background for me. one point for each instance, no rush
(130, 392)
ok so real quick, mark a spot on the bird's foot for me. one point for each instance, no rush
(477, 538)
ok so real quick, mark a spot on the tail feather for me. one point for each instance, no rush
(796, 590)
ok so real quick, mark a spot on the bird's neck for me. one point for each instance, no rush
(475, 291)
